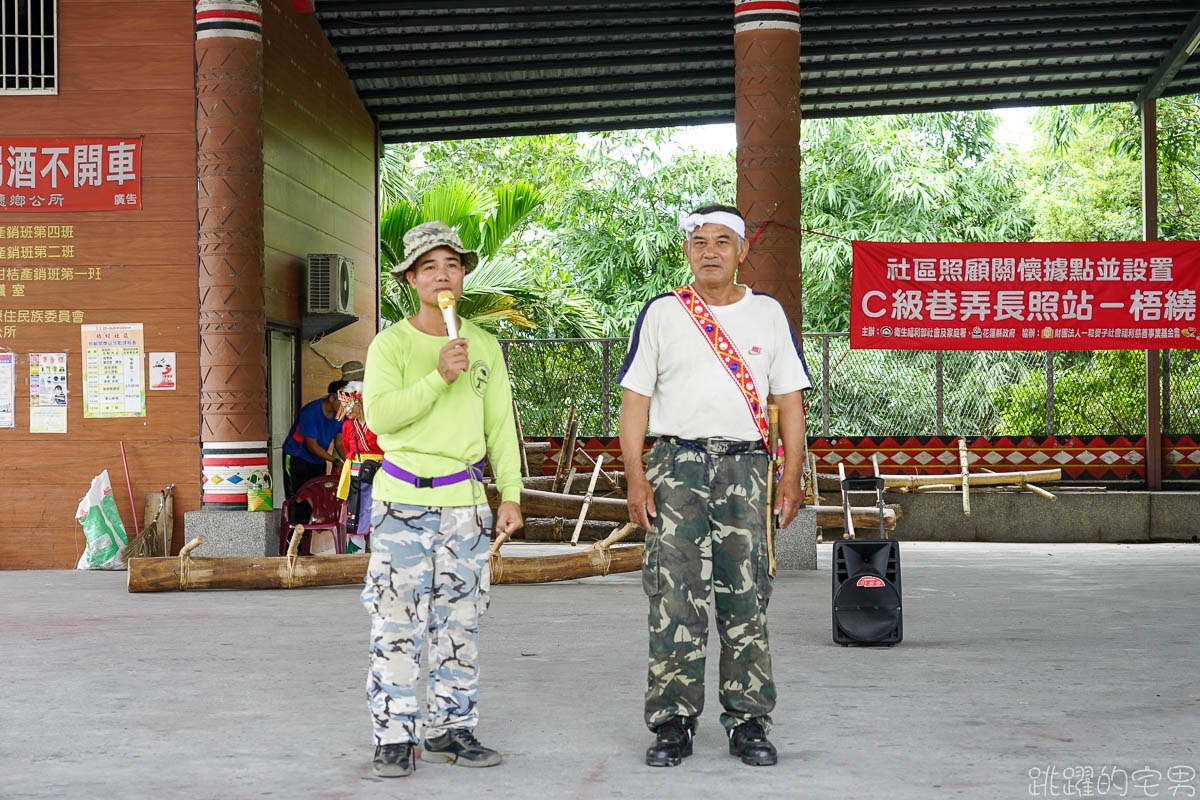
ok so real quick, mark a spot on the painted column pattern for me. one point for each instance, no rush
(766, 44)
(233, 357)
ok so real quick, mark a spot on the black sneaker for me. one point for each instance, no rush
(459, 746)
(748, 742)
(672, 743)
(393, 760)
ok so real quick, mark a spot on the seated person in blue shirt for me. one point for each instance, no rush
(312, 444)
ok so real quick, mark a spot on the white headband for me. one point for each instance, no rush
(731, 221)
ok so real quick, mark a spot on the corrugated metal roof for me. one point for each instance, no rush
(456, 69)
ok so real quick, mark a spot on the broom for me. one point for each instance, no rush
(148, 543)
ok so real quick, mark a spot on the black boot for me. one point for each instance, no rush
(672, 743)
(748, 742)
(393, 760)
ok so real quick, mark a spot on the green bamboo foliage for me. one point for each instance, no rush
(501, 294)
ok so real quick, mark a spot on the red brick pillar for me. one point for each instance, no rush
(766, 57)
(229, 159)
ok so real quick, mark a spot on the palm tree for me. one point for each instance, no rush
(503, 292)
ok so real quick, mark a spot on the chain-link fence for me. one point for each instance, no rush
(892, 392)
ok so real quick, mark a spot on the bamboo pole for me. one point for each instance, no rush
(566, 457)
(811, 494)
(616, 536)
(587, 500)
(966, 475)
(847, 512)
(772, 463)
(609, 478)
(545, 482)
(521, 439)
(976, 479)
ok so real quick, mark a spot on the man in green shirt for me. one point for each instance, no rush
(438, 407)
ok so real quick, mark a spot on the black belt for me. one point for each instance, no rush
(717, 447)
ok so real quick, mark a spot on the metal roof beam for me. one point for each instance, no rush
(561, 16)
(613, 102)
(661, 31)
(940, 6)
(1063, 88)
(716, 60)
(328, 8)
(494, 88)
(1039, 15)
(551, 115)
(716, 15)
(530, 129)
(718, 46)
(1175, 58)
(683, 82)
(461, 80)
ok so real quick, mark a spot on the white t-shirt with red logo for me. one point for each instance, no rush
(692, 396)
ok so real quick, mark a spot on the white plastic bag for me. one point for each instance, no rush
(106, 538)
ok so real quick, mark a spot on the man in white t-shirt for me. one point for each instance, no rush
(702, 361)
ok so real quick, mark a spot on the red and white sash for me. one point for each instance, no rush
(727, 353)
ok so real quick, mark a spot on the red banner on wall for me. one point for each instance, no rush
(75, 174)
(1025, 296)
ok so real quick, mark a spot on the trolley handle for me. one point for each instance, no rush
(852, 484)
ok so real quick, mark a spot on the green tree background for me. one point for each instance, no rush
(579, 231)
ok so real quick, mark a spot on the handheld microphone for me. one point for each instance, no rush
(445, 300)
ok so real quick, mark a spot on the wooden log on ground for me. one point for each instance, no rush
(163, 574)
(543, 483)
(574, 564)
(866, 516)
(558, 529)
(554, 504)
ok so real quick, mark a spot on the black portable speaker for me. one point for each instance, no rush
(866, 592)
(866, 581)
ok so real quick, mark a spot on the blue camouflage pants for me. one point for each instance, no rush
(427, 579)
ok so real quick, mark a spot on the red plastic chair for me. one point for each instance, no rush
(328, 514)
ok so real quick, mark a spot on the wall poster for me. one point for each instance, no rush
(113, 384)
(162, 372)
(47, 392)
(8, 390)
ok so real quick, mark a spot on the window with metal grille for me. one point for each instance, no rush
(29, 47)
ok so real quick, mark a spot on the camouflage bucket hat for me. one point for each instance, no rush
(425, 237)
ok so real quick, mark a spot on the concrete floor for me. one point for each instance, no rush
(1016, 658)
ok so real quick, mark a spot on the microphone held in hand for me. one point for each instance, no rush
(445, 300)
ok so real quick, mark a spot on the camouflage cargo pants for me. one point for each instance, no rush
(427, 578)
(709, 535)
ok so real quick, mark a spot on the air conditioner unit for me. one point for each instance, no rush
(330, 284)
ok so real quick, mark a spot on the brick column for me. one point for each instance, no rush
(229, 159)
(766, 57)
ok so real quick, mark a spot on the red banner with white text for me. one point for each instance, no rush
(1025, 295)
(70, 174)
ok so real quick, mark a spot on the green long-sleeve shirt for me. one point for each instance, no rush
(432, 428)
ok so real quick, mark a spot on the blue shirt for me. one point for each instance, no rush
(311, 423)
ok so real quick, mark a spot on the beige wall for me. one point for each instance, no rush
(319, 192)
